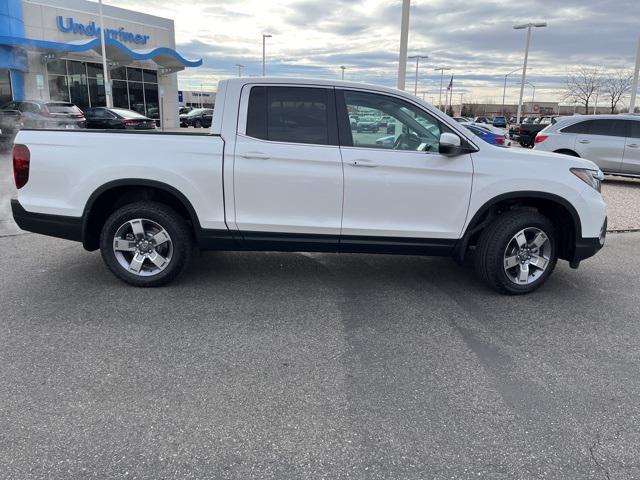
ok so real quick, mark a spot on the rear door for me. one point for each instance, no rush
(603, 143)
(287, 176)
(631, 161)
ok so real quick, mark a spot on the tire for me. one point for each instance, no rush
(157, 263)
(498, 247)
(570, 153)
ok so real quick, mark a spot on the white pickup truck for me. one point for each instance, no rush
(282, 169)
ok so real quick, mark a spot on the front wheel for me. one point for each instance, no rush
(517, 252)
(146, 244)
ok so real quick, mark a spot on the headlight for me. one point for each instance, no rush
(593, 178)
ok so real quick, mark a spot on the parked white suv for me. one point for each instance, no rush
(610, 141)
(283, 169)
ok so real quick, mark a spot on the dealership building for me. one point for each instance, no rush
(51, 50)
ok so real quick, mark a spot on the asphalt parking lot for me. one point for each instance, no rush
(274, 366)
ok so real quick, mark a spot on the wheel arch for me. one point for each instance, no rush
(112, 195)
(567, 151)
(559, 210)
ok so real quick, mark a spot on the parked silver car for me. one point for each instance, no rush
(610, 141)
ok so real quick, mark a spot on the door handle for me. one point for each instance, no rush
(361, 162)
(633, 145)
(254, 155)
(584, 141)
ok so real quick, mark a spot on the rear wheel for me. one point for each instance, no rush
(517, 252)
(146, 244)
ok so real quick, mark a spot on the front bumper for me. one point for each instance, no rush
(588, 247)
(69, 228)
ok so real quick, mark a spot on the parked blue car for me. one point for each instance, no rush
(486, 135)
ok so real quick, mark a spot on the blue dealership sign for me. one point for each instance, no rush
(68, 25)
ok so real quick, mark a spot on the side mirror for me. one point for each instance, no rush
(450, 144)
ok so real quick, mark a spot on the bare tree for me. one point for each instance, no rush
(617, 86)
(582, 85)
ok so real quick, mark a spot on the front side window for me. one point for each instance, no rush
(634, 128)
(405, 127)
(290, 114)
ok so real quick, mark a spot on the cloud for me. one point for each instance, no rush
(475, 39)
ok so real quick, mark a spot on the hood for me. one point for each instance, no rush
(544, 157)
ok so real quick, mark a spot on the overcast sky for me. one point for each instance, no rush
(474, 38)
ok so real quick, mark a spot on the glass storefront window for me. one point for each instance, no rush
(82, 84)
(150, 76)
(134, 74)
(58, 88)
(5, 87)
(78, 88)
(57, 67)
(136, 97)
(151, 100)
(96, 92)
(119, 73)
(120, 95)
(94, 70)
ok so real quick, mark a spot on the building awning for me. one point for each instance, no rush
(116, 51)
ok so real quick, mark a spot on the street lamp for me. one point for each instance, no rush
(264, 39)
(417, 57)
(240, 67)
(533, 95)
(528, 26)
(504, 89)
(343, 68)
(442, 69)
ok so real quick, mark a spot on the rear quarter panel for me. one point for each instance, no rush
(67, 167)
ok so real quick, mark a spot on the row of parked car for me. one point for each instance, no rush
(195, 117)
(45, 115)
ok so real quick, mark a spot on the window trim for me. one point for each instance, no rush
(332, 127)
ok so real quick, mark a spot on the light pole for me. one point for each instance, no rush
(108, 97)
(461, 95)
(634, 85)
(240, 67)
(404, 38)
(441, 69)
(417, 57)
(504, 89)
(533, 95)
(343, 68)
(528, 26)
(264, 41)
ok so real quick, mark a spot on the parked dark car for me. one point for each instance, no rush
(10, 123)
(198, 118)
(482, 120)
(117, 118)
(39, 114)
(527, 132)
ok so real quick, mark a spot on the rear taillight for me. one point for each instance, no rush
(21, 161)
(500, 140)
(541, 138)
(130, 122)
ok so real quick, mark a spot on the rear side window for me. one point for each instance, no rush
(292, 114)
(612, 128)
(634, 128)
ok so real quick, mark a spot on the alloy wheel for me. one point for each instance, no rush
(527, 256)
(142, 247)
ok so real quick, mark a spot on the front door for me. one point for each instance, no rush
(287, 174)
(397, 188)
